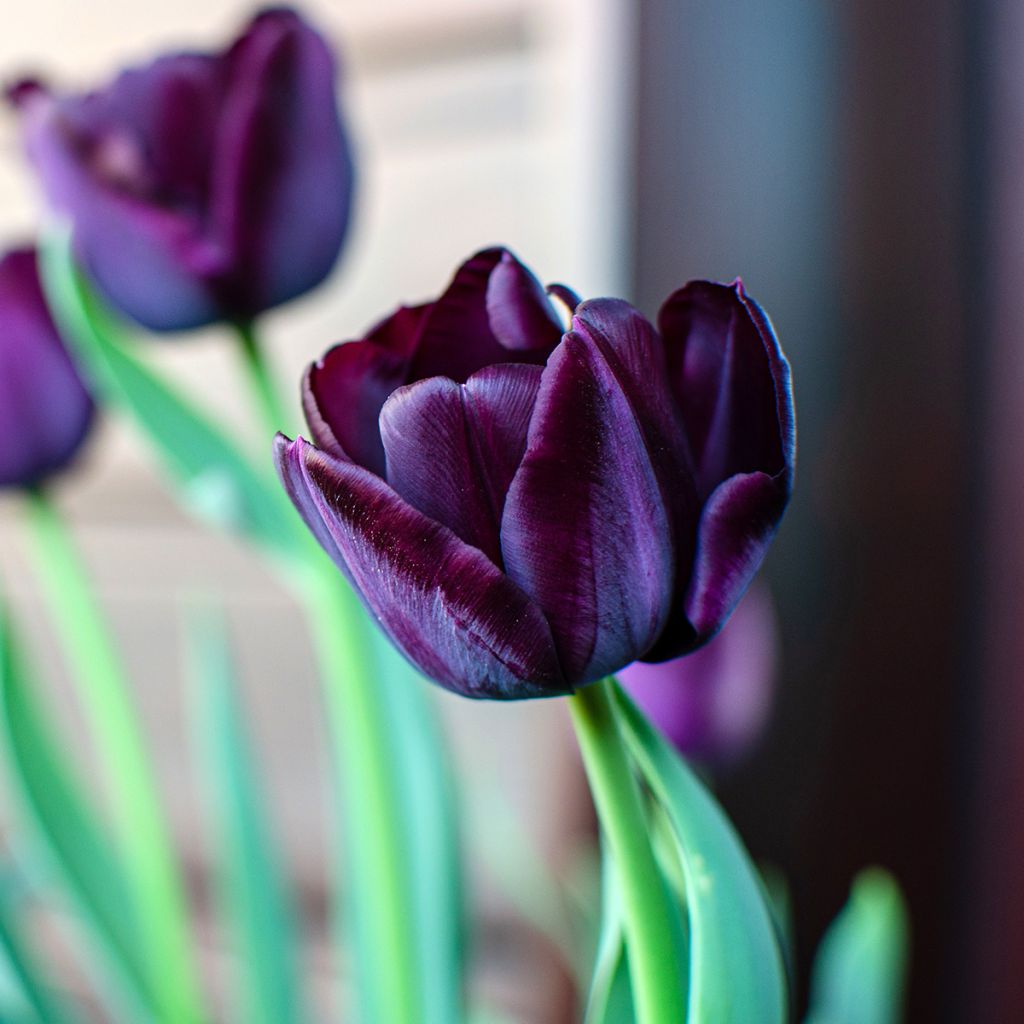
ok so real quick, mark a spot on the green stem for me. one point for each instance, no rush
(378, 899)
(271, 408)
(375, 835)
(149, 861)
(653, 961)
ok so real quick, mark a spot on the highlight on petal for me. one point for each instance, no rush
(444, 604)
(585, 530)
(731, 381)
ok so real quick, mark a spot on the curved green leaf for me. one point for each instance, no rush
(610, 999)
(66, 827)
(860, 968)
(253, 892)
(26, 995)
(737, 973)
(433, 855)
(217, 480)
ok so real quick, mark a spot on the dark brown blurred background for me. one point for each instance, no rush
(861, 165)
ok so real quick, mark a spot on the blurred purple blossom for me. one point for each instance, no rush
(714, 703)
(45, 410)
(202, 187)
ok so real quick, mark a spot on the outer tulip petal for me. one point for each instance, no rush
(636, 354)
(457, 338)
(738, 523)
(732, 383)
(282, 175)
(585, 530)
(519, 312)
(444, 604)
(475, 435)
(45, 410)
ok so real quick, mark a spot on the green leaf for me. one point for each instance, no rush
(26, 996)
(252, 890)
(736, 965)
(610, 999)
(433, 855)
(216, 479)
(66, 827)
(860, 968)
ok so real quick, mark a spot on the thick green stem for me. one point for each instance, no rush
(271, 409)
(375, 835)
(149, 861)
(653, 961)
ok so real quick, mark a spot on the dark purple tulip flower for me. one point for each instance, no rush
(526, 508)
(713, 704)
(202, 187)
(45, 410)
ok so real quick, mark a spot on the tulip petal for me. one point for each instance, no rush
(731, 381)
(281, 181)
(585, 530)
(45, 409)
(453, 449)
(737, 525)
(450, 611)
(343, 393)
(151, 131)
(457, 337)
(636, 355)
(519, 312)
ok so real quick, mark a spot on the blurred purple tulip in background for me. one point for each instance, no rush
(714, 703)
(527, 509)
(202, 187)
(45, 409)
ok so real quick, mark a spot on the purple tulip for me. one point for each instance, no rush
(713, 704)
(526, 509)
(202, 187)
(45, 410)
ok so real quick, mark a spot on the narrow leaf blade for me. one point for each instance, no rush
(610, 999)
(737, 972)
(26, 995)
(253, 891)
(433, 858)
(66, 828)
